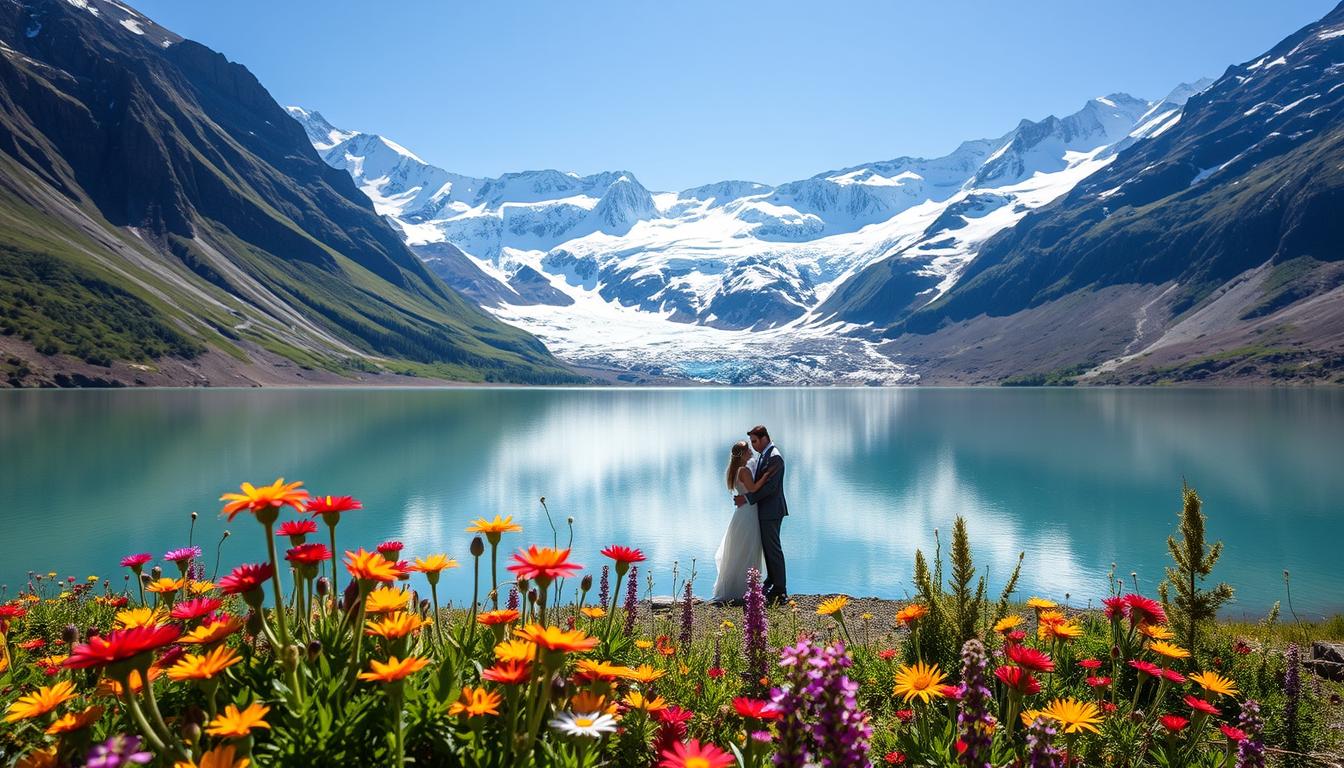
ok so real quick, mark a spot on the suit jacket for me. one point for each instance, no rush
(769, 500)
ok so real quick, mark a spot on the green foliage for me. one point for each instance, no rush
(1194, 559)
(967, 605)
(60, 308)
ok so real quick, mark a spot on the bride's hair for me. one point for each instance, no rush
(737, 460)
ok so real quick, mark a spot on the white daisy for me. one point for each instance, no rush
(593, 724)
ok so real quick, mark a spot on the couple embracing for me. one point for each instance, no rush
(757, 483)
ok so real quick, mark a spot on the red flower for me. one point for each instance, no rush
(623, 555)
(1145, 610)
(1200, 705)
(246, 578)
(12, 612)
(905, 715)
(32, 645)
(952, 692)
(894, 758)
(1030, 658)
(1174, 723)
(120, 644)
(1108, 707)
(1241, 647)
(1018, 679)
(886, 654)
(390, 548)
(171, 656)
(1116, 607)
(508, 672)
(715, 672)
(321, 505)
(674, 715)
(296, 528)
(1232, 734)
(693, 754)
(1093, 664)
(1098, 682)
(543, 564)
(135, 561)
(195, 609)
(1146, 667)
(1015, 637)
(756, 709)
(960, 746)
(1173, 676)
(308, 554)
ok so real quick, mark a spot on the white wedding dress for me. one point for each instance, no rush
(740, 549)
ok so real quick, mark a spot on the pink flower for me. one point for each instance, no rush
(135, 562)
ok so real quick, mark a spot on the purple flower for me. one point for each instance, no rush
(687, 618)
(841, 730)
(512, 602)
(604, 587)
(793, 736)
(118, 751)
(1251, 750)
(975, 724)
(1040, 743)
(631, 601)
(755, 626)
(820, 719)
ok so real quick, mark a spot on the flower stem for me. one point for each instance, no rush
(281, 622)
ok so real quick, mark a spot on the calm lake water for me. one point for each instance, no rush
(1078, 479)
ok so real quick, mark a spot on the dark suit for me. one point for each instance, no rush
(771, 509)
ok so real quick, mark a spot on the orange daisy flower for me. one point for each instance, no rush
(394, 669)
(501, 616)
(643, 674)
(75, 721)
(516, 650)
(556, 639)
(593, 669)
(204, 666)
(433, 564)
(395, 625)
(494, 528)
(912, 613)
(40, 702)
(215, 631)
(273, 496)
(234, 723)
(371, 566)
(474, 702)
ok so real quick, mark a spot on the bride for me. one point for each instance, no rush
(740, 549)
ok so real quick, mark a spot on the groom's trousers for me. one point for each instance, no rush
(775, 582)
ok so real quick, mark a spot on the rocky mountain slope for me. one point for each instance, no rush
(163, 220)
(1211, 250)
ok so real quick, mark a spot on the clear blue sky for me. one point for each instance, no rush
(685, 93)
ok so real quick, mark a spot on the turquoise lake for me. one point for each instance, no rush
(1078, 479)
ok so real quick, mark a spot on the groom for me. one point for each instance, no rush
(771, 508)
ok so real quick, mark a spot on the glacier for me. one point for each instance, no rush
(735, 281)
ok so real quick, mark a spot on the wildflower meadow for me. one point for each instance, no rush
(307, 658)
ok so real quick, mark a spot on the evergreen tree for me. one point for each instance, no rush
(1194, 560)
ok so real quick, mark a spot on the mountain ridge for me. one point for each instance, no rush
(146, 164)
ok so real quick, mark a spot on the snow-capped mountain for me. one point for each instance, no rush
(736, 279)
